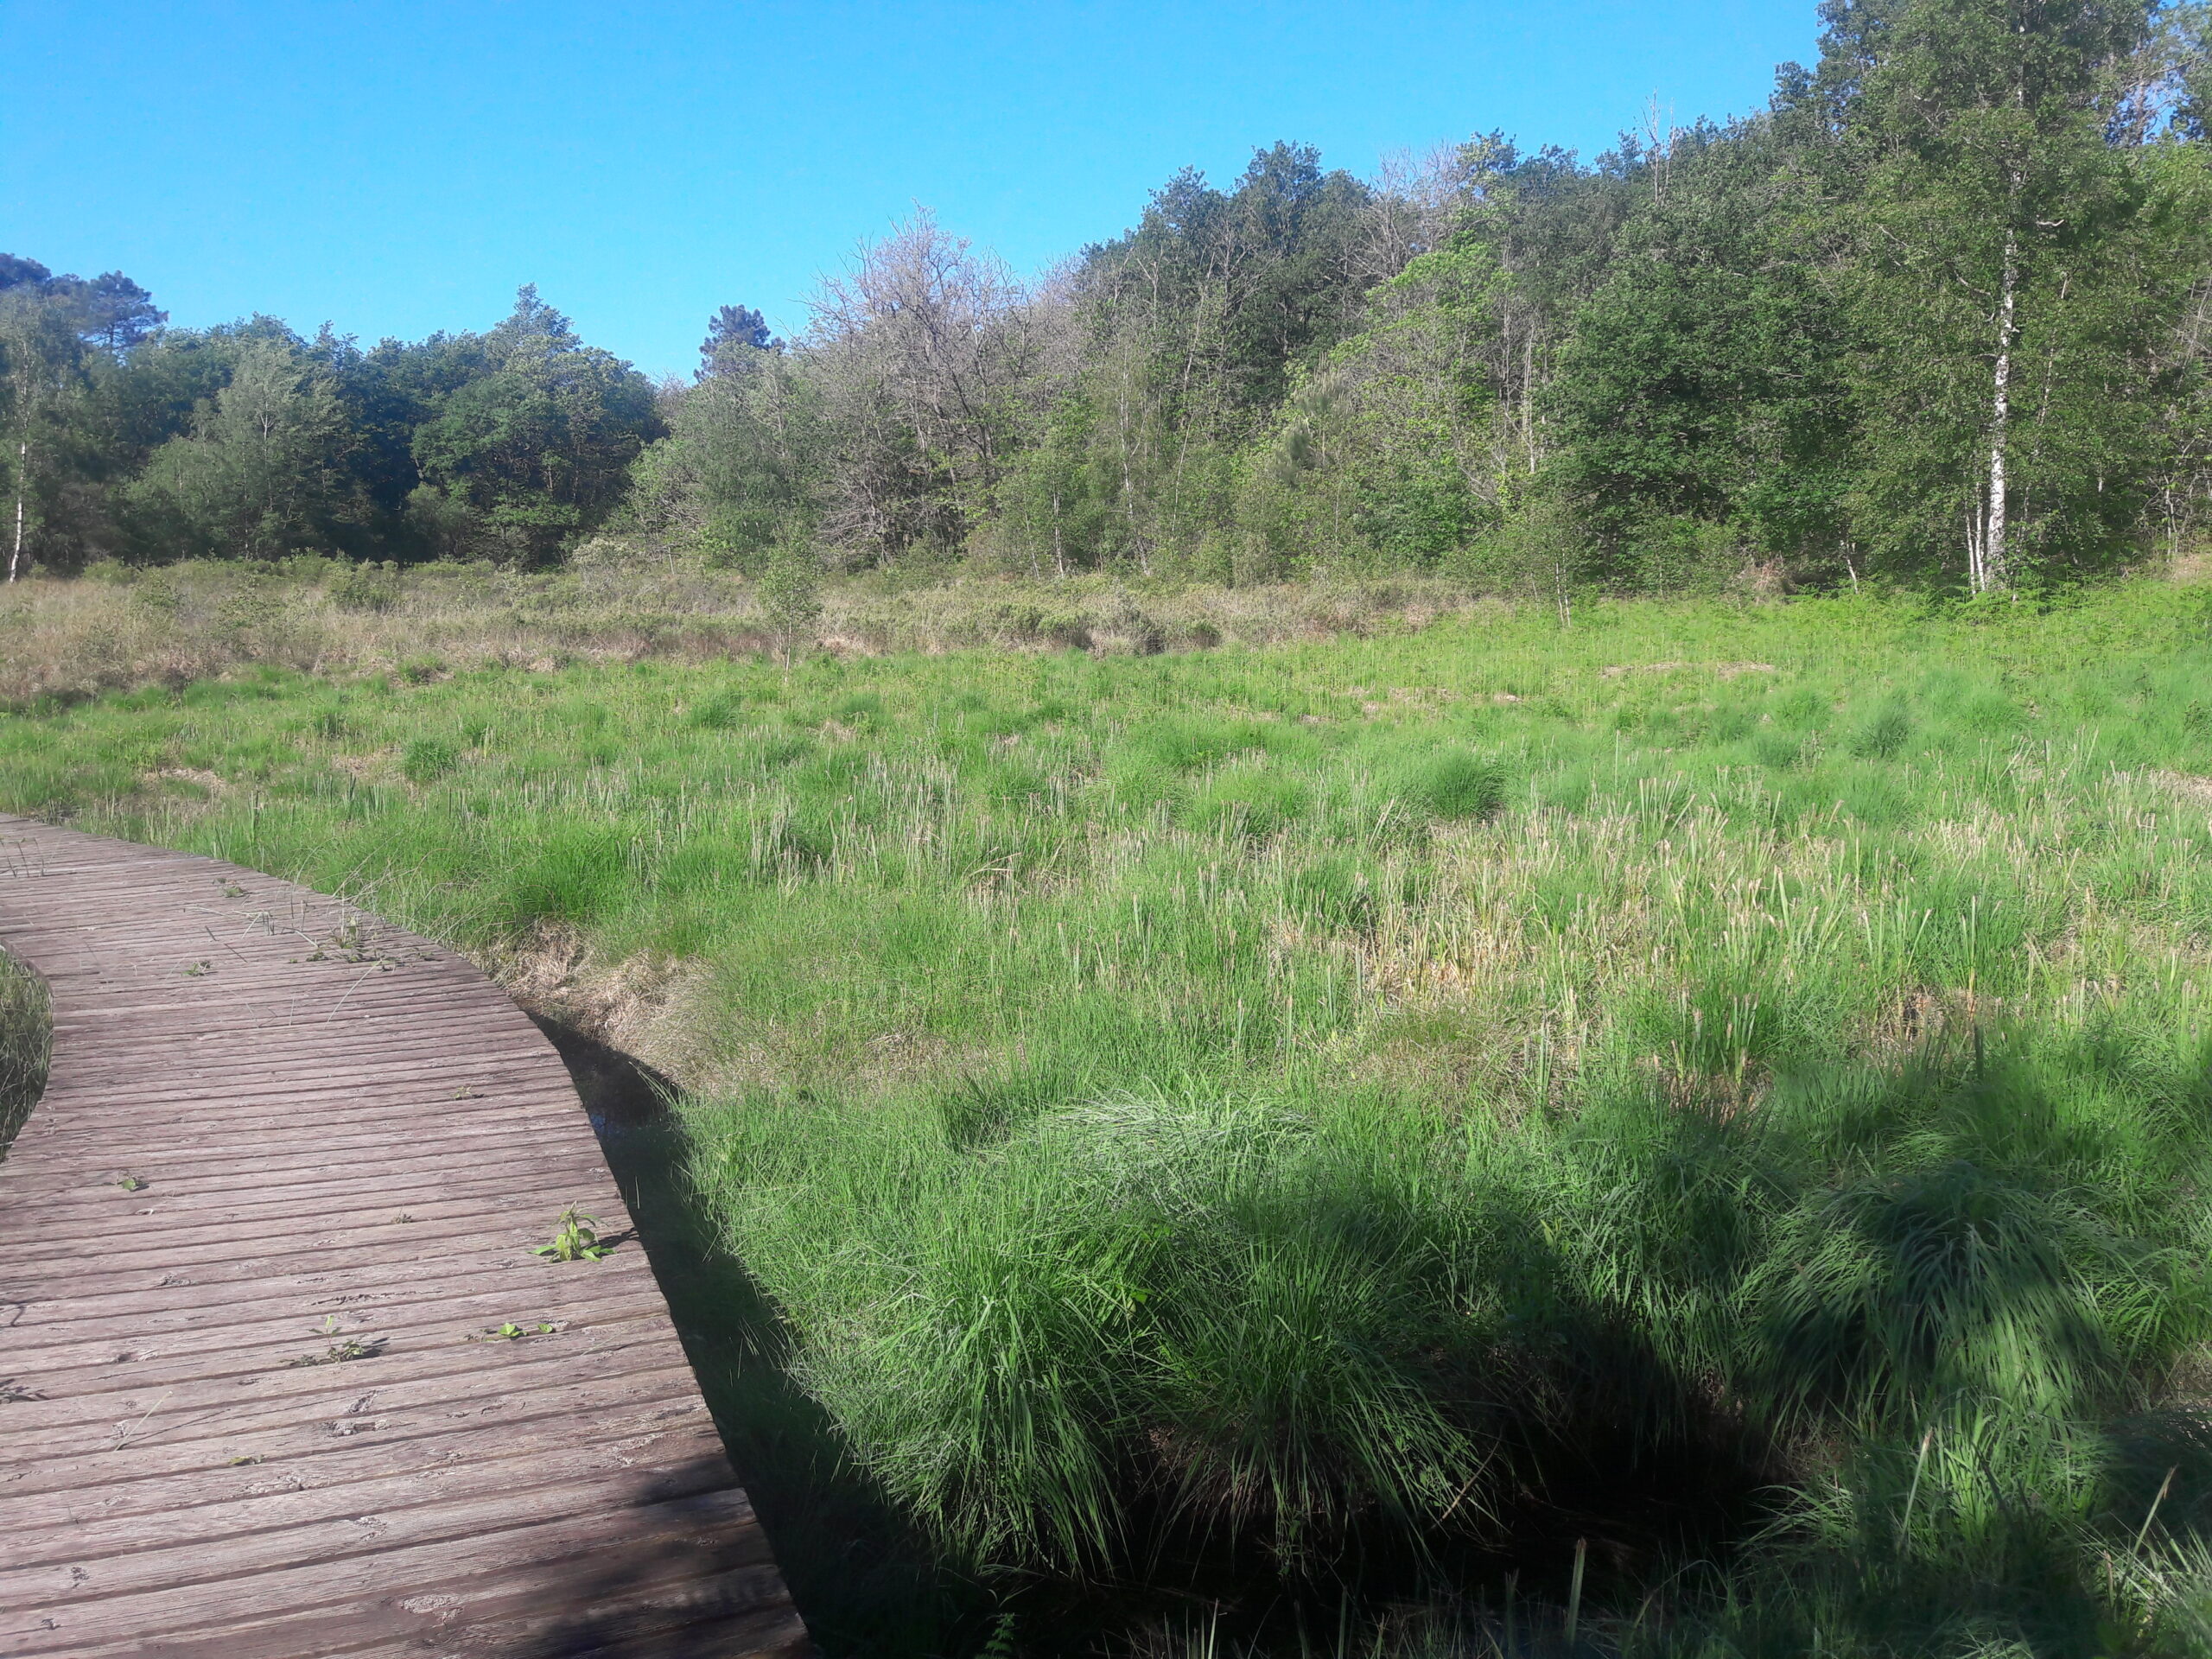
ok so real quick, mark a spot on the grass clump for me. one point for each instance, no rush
(1380, 1111)
(1452, 785)
(428, 760)
(26, 1034)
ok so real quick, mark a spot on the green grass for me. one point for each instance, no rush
(1730, 1084)
(24, 1030)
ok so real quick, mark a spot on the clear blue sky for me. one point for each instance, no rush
(400, 167)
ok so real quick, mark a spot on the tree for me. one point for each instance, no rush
(928, 354)
(1053, 500)
(734, 328)
(256, 475)
(1196, 322)
(2000, 238)
(518, 462)
(43, 347)
(118, 313)
(1402, 445)
(744, 468)
(790, 591)
(1704, 382)
(389, 393)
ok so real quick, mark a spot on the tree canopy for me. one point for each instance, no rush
(1937, 314)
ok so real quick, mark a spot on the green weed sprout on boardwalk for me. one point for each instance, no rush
(510, 1331)
(348, 1347)
(575, 1238)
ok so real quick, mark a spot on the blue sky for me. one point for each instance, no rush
(400, 167)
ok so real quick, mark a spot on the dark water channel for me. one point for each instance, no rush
(869, 1589)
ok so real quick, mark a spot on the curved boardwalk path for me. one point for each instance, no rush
(278, 1131)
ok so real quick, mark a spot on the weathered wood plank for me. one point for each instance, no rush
(86, 1468)
(173, 1481)
(117, 1486)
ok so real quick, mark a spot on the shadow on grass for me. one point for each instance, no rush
(867, 1586)
(864, 1584)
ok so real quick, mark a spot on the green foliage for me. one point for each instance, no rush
(790, 591)
(428, 760)
(1702, 382)
(575, 1238)
(250, 441)
(518, 462)
(1994, 222)
(1453, 784)
(742, 471)
(24, 1036)
(366, 588)
(256, 475)
(509, 1330)
(1931, 317)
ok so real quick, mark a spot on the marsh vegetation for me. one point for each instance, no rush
(25, 1037)
(1341, 1124)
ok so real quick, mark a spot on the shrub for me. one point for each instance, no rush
(366, 588)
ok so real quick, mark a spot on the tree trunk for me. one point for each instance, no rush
(1992, 573)
(22, 479)
(1529, 396)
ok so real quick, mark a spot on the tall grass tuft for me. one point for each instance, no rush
(25, 1033)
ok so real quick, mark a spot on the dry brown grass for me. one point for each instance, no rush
(68, 639)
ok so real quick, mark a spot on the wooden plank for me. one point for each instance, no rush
(130, 1299)
(96, 1366)
(115, 1484)
(173, 1481)
(281, 1529)
(426, 1378)
(87, 1471)
(441, 1589)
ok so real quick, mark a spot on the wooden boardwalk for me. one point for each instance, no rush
(282, 1191)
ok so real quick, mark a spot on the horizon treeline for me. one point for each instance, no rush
(1940, 313)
